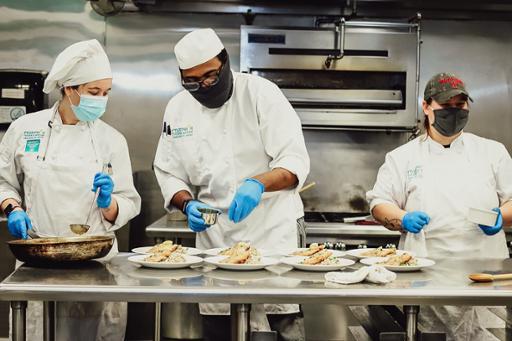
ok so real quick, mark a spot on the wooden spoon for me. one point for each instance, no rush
(482, 278)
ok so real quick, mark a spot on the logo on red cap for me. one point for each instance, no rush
(454, 82)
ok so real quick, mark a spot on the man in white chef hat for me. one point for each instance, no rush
(237, 139)
(51, 164)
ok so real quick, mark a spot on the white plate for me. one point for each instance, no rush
(358, 253)
(143, 250)
(216, 252)
(335, 253)
(422, 263)
(264, 262)
(189, 260)
(296, 263)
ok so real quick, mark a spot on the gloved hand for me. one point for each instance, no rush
(106, 185)
(247, 197)
(492, 230)
(414, 221)
(18, 223)
(195, 221)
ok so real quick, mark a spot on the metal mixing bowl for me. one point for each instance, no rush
(209, 215)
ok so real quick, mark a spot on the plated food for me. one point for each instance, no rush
(322, 261)
(400, 263)
(173, 261)
(376, 252)
(223, 263)
(223, 251)
(313, 249)
(167, 246)
(379, 252)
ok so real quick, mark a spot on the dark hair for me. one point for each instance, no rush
(72, 87)
(426, 122)
(223, 56)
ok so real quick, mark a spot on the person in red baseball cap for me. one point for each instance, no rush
(426, 187)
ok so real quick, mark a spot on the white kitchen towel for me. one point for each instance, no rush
(373, 274)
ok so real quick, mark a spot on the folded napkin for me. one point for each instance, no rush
(372, 274)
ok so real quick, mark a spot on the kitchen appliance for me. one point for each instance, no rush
(354, 75)
(21, 92)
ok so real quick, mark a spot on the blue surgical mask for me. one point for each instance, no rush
(90, 107)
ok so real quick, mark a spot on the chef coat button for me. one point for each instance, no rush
(225, 131)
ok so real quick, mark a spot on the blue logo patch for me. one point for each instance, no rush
(32, 146)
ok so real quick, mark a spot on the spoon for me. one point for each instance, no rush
(482, 278)
(80, 229)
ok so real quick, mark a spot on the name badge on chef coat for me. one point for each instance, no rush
(32, 146)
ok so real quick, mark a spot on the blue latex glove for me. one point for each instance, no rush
(106, 185)
(195, 221)
(492, 230)
(246, 199)
(18, 223)
(414, 221)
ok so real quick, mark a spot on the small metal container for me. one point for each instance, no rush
(209, 215)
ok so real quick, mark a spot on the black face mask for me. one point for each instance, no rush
(450, 121)
(216, 95)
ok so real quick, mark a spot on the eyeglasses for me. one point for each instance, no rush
(208, 80)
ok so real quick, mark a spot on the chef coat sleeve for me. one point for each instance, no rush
(389, 186)
(10, 186)
(128, 200)
(281, 132)
(503, 173)
(170, 172)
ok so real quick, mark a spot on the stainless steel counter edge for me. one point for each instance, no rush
(244, 295)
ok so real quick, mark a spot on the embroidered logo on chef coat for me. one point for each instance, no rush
(32, 146)
(33, 134)
(414, 173)
(33, 140)
(179, 133)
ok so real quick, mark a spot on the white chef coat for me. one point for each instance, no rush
(422, 175)
(57, 192)
(71, 150)
(255, 131)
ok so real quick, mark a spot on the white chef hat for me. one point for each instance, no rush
(197, 47)
(80, 63)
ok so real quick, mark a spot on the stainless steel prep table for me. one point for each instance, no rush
(444, 284)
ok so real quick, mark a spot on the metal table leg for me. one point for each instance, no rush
(508, 325)
(411, 321)
(158, 319)
(48, 320)
(240, 322)
(19, 330)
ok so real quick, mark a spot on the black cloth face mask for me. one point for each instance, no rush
(450, 121)
(216, 95)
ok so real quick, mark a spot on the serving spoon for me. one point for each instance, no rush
(485, 278)
(80, 229)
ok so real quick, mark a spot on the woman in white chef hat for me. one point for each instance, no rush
(425, 188)
(52, 162)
